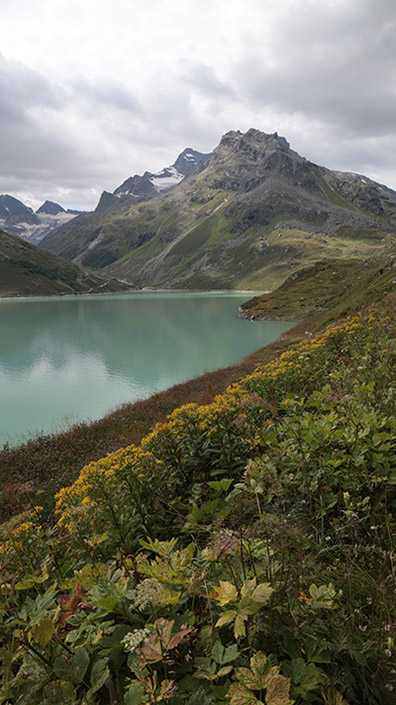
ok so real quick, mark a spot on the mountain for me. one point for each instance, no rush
(151, 183)
(18, 219)
(244, 218)
(27, 270)
(50, 208)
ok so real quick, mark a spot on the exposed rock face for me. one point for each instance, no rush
(136, 186)
(50, 208)
(189, 159)
(255, 208)
(143, 187)
(18, 219)
(13, 212)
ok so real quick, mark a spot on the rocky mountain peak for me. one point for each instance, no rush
(251, 141)
(50, 208)
(243, 160)
(18, 219)
(13, 211)
(136, 185)
(188, 159)
(150, 183)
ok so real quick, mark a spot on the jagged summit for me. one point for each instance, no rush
(245, 216)
(50, 208)
(239, 140)
(188, 160)
(12, 211)
(18, 219)
(149, 184)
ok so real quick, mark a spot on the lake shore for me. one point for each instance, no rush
(43, 465)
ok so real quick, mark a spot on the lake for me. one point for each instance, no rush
(75, 358)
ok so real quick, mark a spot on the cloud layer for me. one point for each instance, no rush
(93, 92)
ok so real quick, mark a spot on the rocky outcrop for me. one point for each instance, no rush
(254, 209)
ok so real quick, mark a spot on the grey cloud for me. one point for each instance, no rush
(338, 67)
(22, 89)
(203, 79)
(34, 144)
(105, 92)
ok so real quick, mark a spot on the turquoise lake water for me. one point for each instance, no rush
(69, 359)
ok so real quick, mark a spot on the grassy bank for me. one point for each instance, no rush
(35, 470)
(242, 553)
(331, 288)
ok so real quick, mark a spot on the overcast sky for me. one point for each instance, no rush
(94, 91)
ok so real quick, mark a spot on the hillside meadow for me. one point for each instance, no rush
(240, 552)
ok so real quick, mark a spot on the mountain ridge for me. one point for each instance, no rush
(28, 270)
(247, 217)
(32, 226)
(150, 183)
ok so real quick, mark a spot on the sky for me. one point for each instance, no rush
(93, 91)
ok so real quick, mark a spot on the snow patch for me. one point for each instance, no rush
(166, 178)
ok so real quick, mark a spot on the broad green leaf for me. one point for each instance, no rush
(99, 675)
(59, 693)
(248, 606)
(80, 662)
(248, 587)
(315, 651)
(261, 667)
(239, 695)
(262, 593)
(224, 593)
(226, 618)
(63, 668)
(244, 675)
(259, 674)
(239, 626)
(292, 646)
(224, 671)
(218, 652)
(277, 692)
(206, 638)
(107, 603)
(72, 668)
(305, 677)
(42, 633)
(231, 653)
(135, 695)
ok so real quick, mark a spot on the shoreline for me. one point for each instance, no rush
(144, 290)
(55, 460)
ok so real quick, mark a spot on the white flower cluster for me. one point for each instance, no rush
(132, 640)
(148, 592)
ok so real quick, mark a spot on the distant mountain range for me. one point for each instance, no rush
(18, 219)
(150, 184)
(21, 220)
(245, 217)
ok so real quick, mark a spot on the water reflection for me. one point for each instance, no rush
(79, 357)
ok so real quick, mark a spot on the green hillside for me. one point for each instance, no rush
(27, 270)
(242, 552)
(333, 287)
(255, 213)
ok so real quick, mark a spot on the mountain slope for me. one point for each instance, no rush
(149, 183)
(27, 270)
(18, 219)
(332, 287)
(246, 218)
